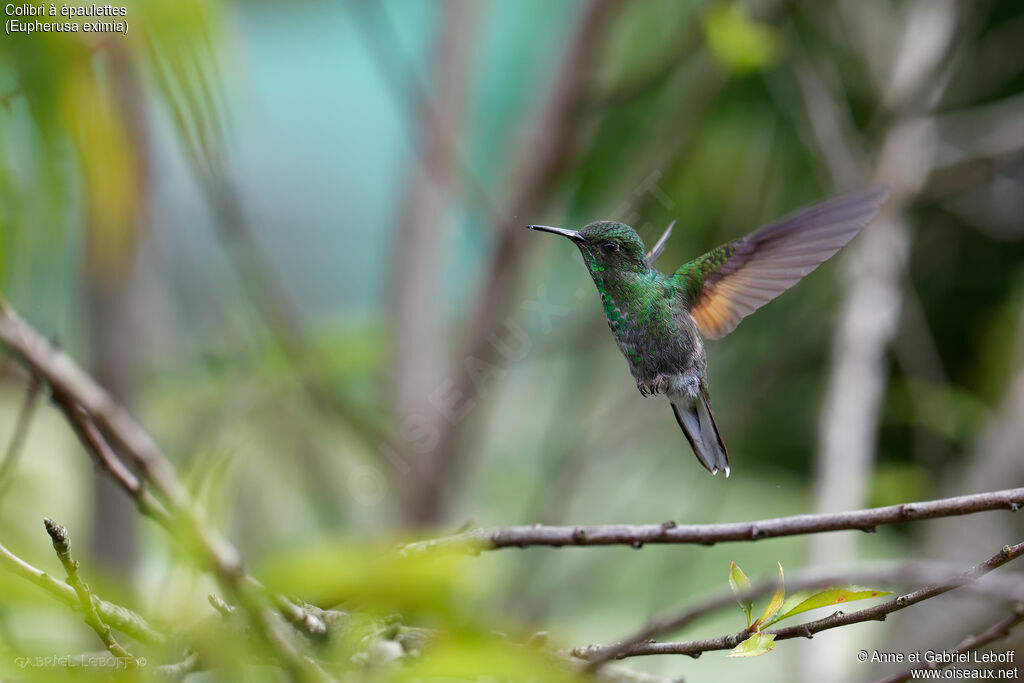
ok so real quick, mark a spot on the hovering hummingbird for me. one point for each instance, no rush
(659, 320)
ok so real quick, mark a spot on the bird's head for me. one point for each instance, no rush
(606, 245)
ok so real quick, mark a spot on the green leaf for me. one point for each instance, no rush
(754, 646)
(805, 601)
(775, 603)
(739, 583)
(738, 41)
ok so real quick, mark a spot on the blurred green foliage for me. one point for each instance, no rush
(739, 42)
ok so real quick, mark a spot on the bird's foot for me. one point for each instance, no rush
(658, 385)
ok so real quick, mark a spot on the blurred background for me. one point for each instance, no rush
(289, 236)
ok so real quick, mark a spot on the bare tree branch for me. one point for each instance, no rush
(637, 535)
(66, 379)
(110, 462)
(641, 643)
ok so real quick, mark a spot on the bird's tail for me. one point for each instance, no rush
(698, 423)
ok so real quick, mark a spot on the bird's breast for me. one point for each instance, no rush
(662, 342)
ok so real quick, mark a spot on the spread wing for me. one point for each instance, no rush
(732, 281)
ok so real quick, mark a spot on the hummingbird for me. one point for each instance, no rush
(660, 321)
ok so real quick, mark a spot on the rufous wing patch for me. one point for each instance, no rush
(766, 263)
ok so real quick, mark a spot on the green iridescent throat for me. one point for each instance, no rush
(639, 299)
(614, 315)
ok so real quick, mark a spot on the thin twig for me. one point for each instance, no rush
(641, 642)
(62, 545)
(99, 417)
(708, 534)
(65, 378)
(999, 630)
(17, 442)
(121, 618)
(178, 670)
(107, 459)
(150, 506)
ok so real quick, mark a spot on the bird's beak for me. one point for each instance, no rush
(571, 234)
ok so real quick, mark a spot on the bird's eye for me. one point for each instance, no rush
(610, 246)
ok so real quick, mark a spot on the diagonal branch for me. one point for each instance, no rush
(109, 461)
(641, 643)
(708, 534)
(96, 417)
(67, 380)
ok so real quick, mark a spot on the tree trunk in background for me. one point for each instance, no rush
(870, 315)
(553, 139)
(114, 340)
(112, 290)
(994, 462)
(417, 256)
